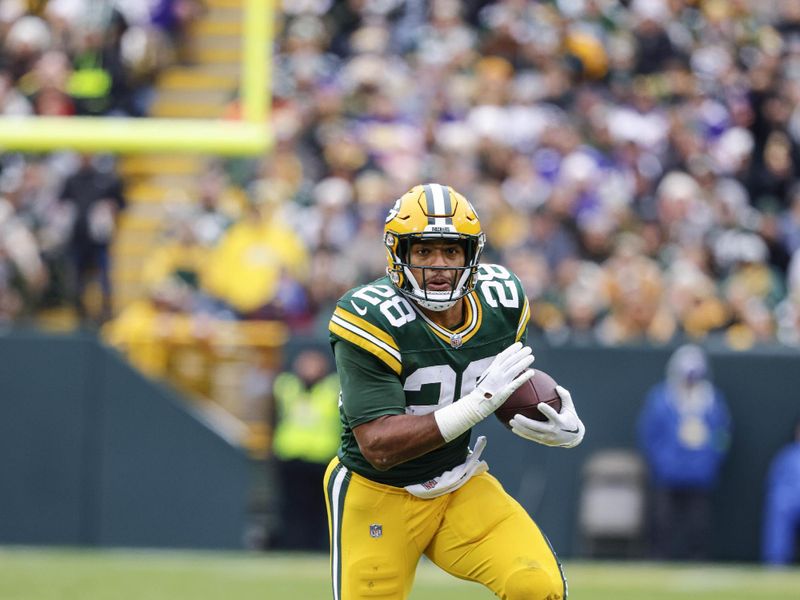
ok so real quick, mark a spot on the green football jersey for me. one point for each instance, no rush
(392, 359)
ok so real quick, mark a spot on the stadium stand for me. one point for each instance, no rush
(635, 162)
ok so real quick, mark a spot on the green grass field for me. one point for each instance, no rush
(67, 574)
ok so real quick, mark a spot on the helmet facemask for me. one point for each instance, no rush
(462, 281)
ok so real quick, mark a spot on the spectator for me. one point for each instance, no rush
(48, 83)
(212, 214)
(306, 436)
(181, 255)
(655, 47)
(782, 507)
(99, 82)
(26, 40)
(259, 266)
(12, 101)
(692, 295)
(684, 432)
(571, 124)
(173, 17)
(23, 275)
(144, 326)
(95, 194)
(637, 308)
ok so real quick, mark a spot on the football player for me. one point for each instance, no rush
(423, 355)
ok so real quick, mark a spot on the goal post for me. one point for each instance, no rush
(251, 135)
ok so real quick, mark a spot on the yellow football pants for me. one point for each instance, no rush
(479, 533)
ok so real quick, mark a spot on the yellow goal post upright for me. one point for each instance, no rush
(251, 135)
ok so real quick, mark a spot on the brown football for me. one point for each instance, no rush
(541, 388)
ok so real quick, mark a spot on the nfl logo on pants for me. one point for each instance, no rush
(375, 530)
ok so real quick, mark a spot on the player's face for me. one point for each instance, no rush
(443, 256)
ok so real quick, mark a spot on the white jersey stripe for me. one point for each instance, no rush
(367, 336)
(335, 533)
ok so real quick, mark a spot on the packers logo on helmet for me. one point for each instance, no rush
(432, 212)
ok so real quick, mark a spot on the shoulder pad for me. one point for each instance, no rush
(357, 319)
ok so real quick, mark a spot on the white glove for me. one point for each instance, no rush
(563, 428)
(456, 477)
(508, 371)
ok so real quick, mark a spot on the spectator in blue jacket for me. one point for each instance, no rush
(782, 507)
(684, 433)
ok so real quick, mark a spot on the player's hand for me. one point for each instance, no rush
(563, 428)
(508, 371)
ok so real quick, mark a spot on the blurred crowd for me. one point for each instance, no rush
(86, 57)
(58, 213)
(634, 162)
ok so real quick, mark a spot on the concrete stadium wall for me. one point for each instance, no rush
(93, 453)
(608, 385)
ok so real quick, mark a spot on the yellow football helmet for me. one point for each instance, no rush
(432, 212)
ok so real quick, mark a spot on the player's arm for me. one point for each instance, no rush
(388, 436)
(374, 402)
(393, 439)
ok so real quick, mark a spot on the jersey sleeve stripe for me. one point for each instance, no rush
(367, 335)
(523, 319)
(362, 339)
(367, 327)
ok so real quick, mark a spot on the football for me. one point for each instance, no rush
(540, 388)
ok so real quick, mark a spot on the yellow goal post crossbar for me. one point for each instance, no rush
(252, 135)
